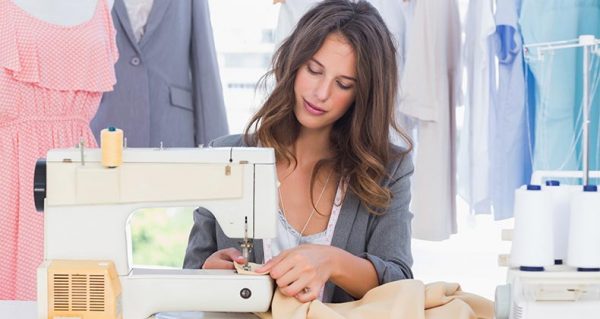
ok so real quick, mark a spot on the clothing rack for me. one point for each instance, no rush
(589, 44)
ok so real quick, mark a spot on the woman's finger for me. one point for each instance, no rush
(272, 263)
(282, 266)
(240, 260)
(289, 277)
(296, 287)
(231, 254)
(223, 259)
(308, 293)
(217, 263)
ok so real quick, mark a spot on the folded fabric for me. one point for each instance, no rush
(409, 299)
(252, 271)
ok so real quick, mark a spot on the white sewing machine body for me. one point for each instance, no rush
(545, 234)
(560, 292)
(87, 210)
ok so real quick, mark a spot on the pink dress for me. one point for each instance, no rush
(51, 81)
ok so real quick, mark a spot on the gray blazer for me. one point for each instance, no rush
(384, 239)
(168, 86)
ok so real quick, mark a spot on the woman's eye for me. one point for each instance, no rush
(311, 71)
(344, 86)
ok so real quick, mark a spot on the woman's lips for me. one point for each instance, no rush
(313, 109)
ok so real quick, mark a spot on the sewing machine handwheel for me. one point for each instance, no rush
(39, 184)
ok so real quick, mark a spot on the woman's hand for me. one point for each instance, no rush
(302, 271)
(223, 259)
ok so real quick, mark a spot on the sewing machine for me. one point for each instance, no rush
(87, 271)
(559, 292)
(542, 282)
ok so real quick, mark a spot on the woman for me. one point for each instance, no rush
(344, 191)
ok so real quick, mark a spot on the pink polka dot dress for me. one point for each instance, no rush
(51, 81)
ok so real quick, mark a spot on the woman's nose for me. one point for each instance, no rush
(323, 90)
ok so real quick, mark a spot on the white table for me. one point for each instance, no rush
(14, 309)
(18, 309)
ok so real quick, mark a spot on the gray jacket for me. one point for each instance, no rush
(168, 85)
(384, 239)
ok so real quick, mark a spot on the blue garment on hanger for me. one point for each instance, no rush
(558, 81)
(509, 139)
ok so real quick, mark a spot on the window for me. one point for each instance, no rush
(244, 39)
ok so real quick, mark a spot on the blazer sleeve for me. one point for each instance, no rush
(209, 106)
(388, 246)
(202, 241)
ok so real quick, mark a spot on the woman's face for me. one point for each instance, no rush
(325, 85)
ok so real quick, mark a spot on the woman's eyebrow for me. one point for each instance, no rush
(343, 76)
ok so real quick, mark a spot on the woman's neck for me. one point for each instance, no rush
(312, 146)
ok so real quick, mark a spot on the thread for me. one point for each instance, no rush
(561, 198)
(111, 142)
(533, 246)
(584, 235)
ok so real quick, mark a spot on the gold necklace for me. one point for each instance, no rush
(312, 212)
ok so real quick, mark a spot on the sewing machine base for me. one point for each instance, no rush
(145, 292)
(560, 292)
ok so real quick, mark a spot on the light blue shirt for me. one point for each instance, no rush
(509, 138)
(558, 81)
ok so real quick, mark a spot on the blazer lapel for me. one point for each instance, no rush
(345, 221)
(123, 17)
(341, 233)
(159, 8)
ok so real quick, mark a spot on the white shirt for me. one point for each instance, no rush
(138, 12)
(288, 237)
(474, 153)
(430, 90)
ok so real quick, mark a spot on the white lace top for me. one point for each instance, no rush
(138, 12)
(288, 237)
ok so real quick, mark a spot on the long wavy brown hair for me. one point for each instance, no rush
(360, 138)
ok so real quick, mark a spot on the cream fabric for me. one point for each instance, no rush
(240, 269)
(409, 299)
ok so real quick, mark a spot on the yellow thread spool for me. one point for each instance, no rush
(111, 142)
